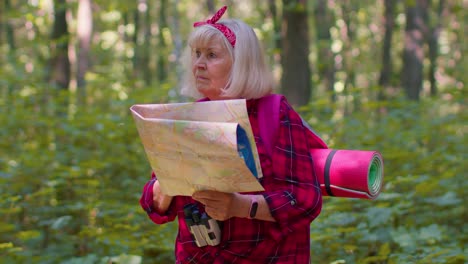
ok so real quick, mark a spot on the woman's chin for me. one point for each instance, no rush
(208, 93)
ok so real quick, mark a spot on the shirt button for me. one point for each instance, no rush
(217, 254)
(293, 202)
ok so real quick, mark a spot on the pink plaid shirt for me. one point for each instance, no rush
(291, 191)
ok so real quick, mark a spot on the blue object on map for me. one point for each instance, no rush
(245, 150)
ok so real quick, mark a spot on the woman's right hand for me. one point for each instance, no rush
(161, 202)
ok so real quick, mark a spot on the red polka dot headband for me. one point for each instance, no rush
(227, 32)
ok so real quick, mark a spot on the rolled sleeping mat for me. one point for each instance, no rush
(349, 173)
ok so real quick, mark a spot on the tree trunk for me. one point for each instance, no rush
(211, 6)
(275, 54)
(3, 21)
(136, 46)
(10, 56)
(326, 58)
(59, 75)
(10, 38)
(295, 81)
(276, 24)
(413, 54)
(386, 71)
(147, 54)
(162, 47)
(347, 36)
(178, 46)
(84, 32)
(433, 42)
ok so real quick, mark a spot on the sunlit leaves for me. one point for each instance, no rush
(71, 175)
(418, 217)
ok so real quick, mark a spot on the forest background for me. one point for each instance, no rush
(366, 74)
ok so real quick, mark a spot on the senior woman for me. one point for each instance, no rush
(227, 62)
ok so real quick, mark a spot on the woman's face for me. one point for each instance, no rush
(211, 67)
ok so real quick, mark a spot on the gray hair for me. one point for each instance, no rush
(250, 76)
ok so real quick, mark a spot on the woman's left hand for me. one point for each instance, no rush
(222, 206)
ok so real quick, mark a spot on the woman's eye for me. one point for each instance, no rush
(212, 55)
(197, 53)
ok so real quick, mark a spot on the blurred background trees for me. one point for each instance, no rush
(383, 75)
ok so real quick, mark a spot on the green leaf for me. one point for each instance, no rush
(61, 222)
(449, 198)
(430, 234)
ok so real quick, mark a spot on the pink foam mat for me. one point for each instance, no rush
(349, 173)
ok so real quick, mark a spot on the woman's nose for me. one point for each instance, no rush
(200, 63)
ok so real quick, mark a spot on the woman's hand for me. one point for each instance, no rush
(222, 206)
(161, 202)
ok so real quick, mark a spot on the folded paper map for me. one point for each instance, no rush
(200, 146)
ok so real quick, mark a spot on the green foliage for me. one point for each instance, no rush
(419, 216)
(71, 175)
(70, 185)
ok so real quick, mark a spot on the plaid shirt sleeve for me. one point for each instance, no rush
(146, 202)
(296, 199)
